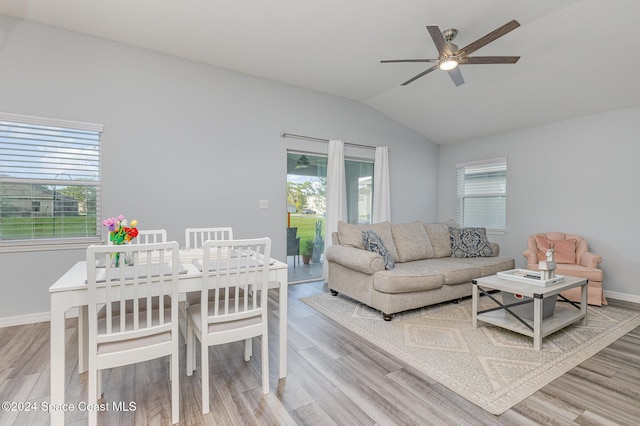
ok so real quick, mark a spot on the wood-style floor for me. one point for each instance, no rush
(334, 378)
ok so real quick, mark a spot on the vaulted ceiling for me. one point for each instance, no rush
(578, 57)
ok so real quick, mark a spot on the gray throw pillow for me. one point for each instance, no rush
(373, 242)
(470, 242)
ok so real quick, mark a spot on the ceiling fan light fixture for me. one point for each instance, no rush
(448, 64)
(450, 56)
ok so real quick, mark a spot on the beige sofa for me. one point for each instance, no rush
(424, 273)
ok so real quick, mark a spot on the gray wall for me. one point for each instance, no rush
(185, 144)
(575, 176)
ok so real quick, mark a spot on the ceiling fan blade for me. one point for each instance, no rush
(387, 61)
(490, 60)
(440, 42)
(435, 67)
(483, 41)
(456, 76)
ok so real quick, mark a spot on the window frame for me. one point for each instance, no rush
(62, 179)
(462, 195)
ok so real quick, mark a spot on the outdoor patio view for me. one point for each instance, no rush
(306, 209)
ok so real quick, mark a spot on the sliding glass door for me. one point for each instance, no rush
(359, 177)
(306, 208)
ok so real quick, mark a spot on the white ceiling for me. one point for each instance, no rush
(335, 46)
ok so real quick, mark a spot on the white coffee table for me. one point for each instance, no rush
(501, 315)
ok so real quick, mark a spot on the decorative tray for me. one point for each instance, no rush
(529, 277)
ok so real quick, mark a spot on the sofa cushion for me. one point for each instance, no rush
(454, 271)
(351, 235)
(372, 242)
(486, 265)
(407, 277)
(469, 242)
(564, 250)
(412, 241)
(440, 237)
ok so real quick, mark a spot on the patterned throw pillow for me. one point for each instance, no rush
(373, 243)
(470, 242)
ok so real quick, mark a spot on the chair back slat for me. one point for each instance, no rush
(147, 236)
(150, 236)
(195, 237)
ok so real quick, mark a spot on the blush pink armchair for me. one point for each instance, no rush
(572, 258)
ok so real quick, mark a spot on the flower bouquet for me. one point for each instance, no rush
(120, 232)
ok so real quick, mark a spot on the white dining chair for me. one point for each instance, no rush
(141, 334)
(194, 240)
(235, 267)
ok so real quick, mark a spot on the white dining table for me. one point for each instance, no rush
(71, 291)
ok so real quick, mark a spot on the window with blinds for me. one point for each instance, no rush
(482, 194)
(49, 183)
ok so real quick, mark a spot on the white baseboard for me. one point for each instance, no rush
(33, 318)
(24, 319)
(634, 298)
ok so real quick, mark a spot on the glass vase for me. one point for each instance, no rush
(121, 258)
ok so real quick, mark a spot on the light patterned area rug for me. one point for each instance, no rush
(492, 367)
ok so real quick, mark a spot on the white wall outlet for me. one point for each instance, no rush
(264, 204)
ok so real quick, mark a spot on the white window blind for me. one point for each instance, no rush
(49, 183)
(482, 194)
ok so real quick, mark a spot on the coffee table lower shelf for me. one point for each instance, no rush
(562, 317)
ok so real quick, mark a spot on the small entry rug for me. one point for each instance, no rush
(492, 367)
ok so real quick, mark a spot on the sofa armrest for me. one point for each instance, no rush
(354, 258)
(496, 249)
(590, 260)
(531, 255)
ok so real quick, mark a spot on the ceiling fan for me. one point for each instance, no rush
(450, 56)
